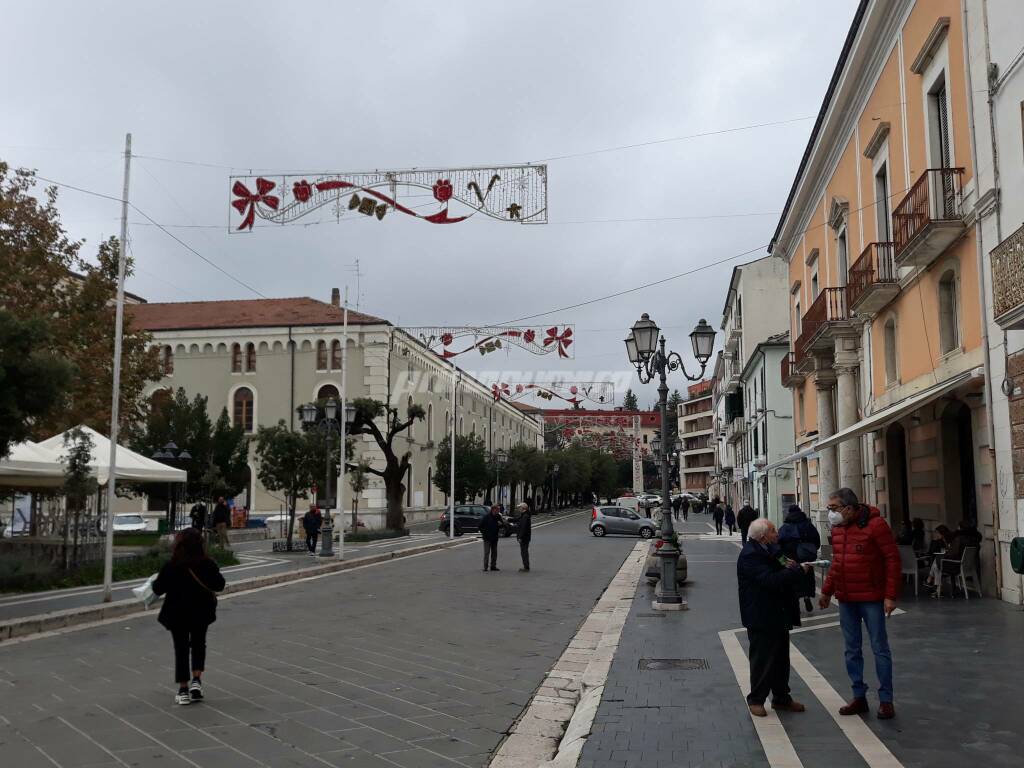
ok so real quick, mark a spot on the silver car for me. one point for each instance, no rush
(605, 520)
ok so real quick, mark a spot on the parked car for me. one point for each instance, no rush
(468, 517)
(127, 523)
(652, 568)
(605, 520)
(638, 504)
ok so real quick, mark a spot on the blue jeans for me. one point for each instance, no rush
(873, 616)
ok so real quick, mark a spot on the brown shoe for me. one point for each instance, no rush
(886, 711)
(855, 707)
(791, 706)
(758, 710)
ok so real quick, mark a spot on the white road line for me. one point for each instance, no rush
(774, 740)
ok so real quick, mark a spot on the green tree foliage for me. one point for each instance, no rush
(629, 402)
(32, 378)
(396, 467)
(472, 474)
(79, 485)
(38, 262)
(604, 475)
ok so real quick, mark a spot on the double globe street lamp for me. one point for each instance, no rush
(324, 419)
(171, 456)
(500, 460)
(645, 347)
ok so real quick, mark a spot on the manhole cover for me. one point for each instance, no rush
(664, 665)
(650, 615)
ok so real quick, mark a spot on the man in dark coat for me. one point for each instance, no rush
(744, 518)
(769, 609)
(490, 530)
(718, 514)
(677, 503)
(311, 522)
(221, 521)
(684, 506)
(524, 532)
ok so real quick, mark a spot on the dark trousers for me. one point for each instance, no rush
(743, 535)
(769, 666)
(718, 527)
(311, 539)
(524, 551)
(490, 554)
(186, 639)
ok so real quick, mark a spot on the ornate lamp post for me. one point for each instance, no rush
(645, 347)
(326, 421)
(500, 459)
(171, 456)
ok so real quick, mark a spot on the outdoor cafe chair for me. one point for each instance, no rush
(911, 564)
(959, 571)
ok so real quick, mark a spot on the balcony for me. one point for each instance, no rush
(1008, 282)
(930, 218)
(873, 280)
(732, 339)
(791, 376)
(732, 374)
(827, 313)
(736, 429)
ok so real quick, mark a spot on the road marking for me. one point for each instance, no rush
(774, 740)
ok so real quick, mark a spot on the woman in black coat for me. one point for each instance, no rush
(190, 580)
(800, 541)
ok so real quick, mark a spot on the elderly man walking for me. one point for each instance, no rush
(769, 609)
(865, 578)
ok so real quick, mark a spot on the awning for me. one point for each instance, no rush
(805, 453)
(900, 409)
(29, 465)
(131, 467)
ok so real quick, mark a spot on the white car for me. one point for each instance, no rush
(129, 523)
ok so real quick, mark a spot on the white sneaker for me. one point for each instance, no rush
(195, 690)
(182, 697)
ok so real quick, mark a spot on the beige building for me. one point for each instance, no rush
(697, 458)
(263, 358)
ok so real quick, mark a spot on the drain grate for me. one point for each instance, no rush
(650, 615)
(665, 665)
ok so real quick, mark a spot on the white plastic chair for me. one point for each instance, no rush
(959, 571)
(910, 564)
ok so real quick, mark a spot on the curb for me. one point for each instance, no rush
(70, 617)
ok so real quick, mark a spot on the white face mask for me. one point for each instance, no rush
(835, 517)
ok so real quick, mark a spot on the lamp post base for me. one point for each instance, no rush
(327, 537)
(680, 606)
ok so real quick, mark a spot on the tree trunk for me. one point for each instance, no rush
(394, 492)
(355, 514)
(292, 500)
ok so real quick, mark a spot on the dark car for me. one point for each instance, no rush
(468, 517)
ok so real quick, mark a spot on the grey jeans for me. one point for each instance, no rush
(491, 554)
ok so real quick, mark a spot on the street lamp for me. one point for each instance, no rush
(500, 459)
(325, 420)
(645, 348)
(171, 456)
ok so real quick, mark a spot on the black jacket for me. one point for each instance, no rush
(311, 522)
(767, 590)
(717, 512)
(188, 603)
(746, 516)
(221, 514)
(524, 530)
(490, 528)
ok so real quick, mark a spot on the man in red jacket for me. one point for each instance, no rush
(865, 578)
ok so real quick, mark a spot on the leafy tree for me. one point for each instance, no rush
(358, 482)
(38, 264)
(229, 454)
(79, 485)
(32, 377)
(604, 474)
(531, 467)
(472, 475)
(629, 402)
(396, 467)
(289, 462)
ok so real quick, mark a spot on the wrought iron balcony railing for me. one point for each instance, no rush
(930, 217)
(873, 279)
(1008, 281)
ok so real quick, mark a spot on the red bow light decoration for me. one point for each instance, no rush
(247, 201)
(499, 390)
(563, 340)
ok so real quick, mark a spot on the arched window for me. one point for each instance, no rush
(408, 488)
(949, 325)
(889, 342)
(430, 421)
(167, 361)
(236, 358)
(335, 355)
(243, 408)
(461, 426)
(430, 384)
(326, 392)
(250, 357)
(321, 355)
(430, 485)
(408, 410)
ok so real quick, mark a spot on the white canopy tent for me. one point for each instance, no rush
(38, 465)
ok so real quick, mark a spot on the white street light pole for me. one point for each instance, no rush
(115, 397)
(343, 475)
(451, 460)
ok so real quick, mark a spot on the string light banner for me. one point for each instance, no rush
(515, 193)
(454, 341)
(572, 392)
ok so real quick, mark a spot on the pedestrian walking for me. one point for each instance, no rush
(524, 532)
(198, 515)
(311, 524)
(684, 505)
(768, 609)
(221, 521)
(190, 581)
(677, 504)
(490, 530)
(800, 541)
(865, 578)
(717, 514)
(746, 516)
(730, 519)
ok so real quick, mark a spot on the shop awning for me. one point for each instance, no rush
(805, 453)
(131, 467)
(900, 409)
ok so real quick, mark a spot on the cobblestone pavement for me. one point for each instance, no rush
(958, 667)
(424, 661)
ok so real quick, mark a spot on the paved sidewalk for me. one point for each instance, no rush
(958, 670)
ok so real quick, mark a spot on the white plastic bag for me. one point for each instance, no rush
(145, 593)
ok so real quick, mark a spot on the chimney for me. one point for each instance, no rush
(335, 297)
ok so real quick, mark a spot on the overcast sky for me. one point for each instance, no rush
(355, 86)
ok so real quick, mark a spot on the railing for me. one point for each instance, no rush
(936, 196)
(874, 267)
(1008, 273)
(829, 307)
(788, 366)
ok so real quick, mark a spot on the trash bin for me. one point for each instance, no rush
(161, 526)
(1017, 555)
